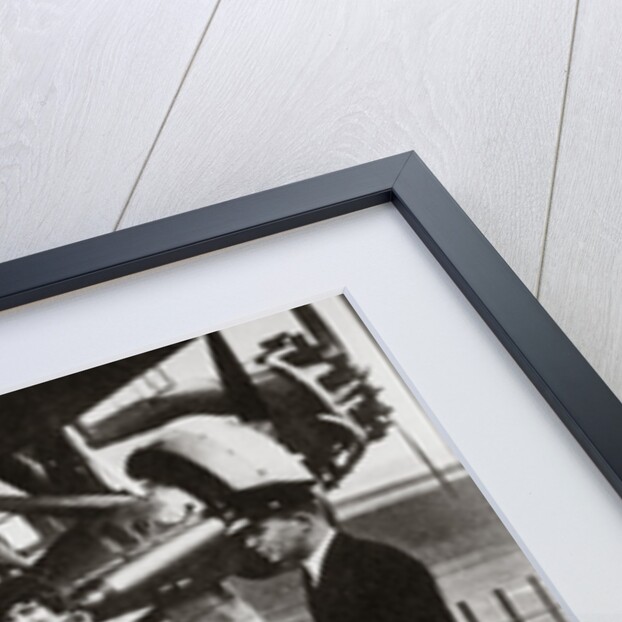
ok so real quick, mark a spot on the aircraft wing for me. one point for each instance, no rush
(27, 415)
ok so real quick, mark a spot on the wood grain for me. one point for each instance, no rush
(282, 91)
(84, 87)
(582, 275)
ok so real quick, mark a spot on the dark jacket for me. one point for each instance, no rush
(365, 581)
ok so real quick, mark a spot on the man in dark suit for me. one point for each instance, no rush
(346, 578)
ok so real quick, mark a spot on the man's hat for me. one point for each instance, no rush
(263, 501)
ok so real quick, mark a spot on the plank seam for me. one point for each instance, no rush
(547, 218)
(166, 116)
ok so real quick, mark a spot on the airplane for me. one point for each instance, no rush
(157, 534)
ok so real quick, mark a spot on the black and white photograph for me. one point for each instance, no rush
(277, 470)
(310, 310)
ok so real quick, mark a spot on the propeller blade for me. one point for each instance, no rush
(238, 384)
(66, 505)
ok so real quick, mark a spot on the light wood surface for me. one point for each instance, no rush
(281, 91)
(582, 276)
(84, 87)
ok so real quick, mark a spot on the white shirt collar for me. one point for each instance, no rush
(313, 564)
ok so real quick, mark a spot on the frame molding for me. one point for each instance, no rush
(573, 389)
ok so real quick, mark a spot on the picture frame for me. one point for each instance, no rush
(580, 398)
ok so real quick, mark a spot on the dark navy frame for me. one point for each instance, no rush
(574, 390)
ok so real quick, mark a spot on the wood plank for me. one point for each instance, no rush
(282, 91)
(84, 87)
(582, 275)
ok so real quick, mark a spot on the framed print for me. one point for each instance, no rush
(394, 245)
(145, 476)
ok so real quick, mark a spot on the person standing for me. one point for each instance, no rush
(346, 578)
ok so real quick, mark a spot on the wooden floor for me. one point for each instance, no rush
(117, 113)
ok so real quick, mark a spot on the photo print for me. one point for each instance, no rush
(277, 470)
